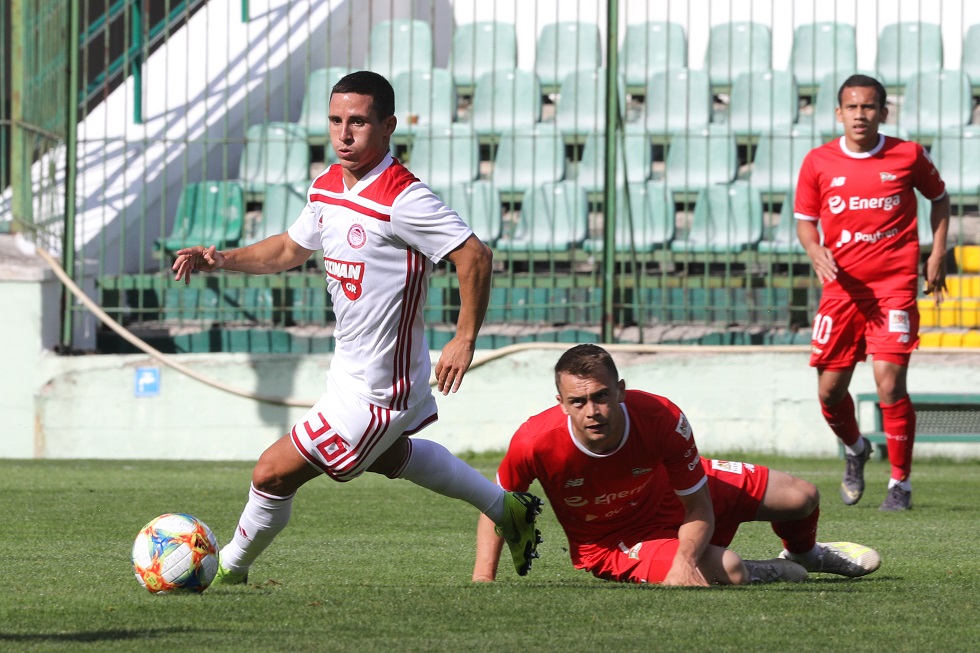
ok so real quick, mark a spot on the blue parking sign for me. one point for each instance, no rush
(147, 382)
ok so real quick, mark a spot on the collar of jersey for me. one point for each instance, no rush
(366, 180)
(862, 155)
(592, 454)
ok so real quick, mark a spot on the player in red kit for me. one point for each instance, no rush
(860, 188)
(637, 502)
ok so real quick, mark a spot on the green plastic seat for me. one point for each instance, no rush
(934, 102)
(727, 219)
(316, 102)
(821, 49)
(395, 46)
(281, 206)
(649, 48)
(504, 101)
(528, 157)
(554, 218)
(698, 159)
(633, 160)
(479, 48)
(782, 238)
(581, 108)
(676, 101)
(478, 204)
(761, 103)
(444, 156)
(645, 218)
(923, 220)
(208, 213)
(735, 48)
(424, 98)
(908, 48)
(563, 48)
(778, 159)
(956, 154)
(970, 58)
(274, 153)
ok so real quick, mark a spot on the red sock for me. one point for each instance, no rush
(898, 420)
(799, 535)
(842, 421)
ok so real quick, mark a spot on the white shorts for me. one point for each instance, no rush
(342, 434)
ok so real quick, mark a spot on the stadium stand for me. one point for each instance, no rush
(554, 218)
(274, 153)
(727, 219)
(207, 212)
(478, 203)
(505, 101)
(313, 115)
(956, 154)
(970, 57)
(777, 160)
(424, 98)
(821, 49)
(563, 48)
(479, 48)
(395, 46)
(936, 101)
(697, 159)
(781, 238)
(735, 48)
(444, 156)
(645, 218)
(676, 101)
(281, 205)
(907, 48)
(581, 107)
(634, 155)
(528, 157)
(648, 48)
(762, 102)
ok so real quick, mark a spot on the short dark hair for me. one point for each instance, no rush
(589, 361)
(863, 81)
(365, 82)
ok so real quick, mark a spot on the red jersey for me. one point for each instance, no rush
(867, 210)
(626, 495)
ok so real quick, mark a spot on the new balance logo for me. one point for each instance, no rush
(574, 482)
(837, 181)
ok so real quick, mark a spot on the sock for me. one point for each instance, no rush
(843, 422)
(799, 536)
(264, 517)
(905, 485)
(898, 422)
(433, 467)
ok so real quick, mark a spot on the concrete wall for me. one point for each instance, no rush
(753, 400)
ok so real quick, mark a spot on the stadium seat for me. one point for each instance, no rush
(445, 156)
(649, 48)
(479, 48)
(281, 205)
(395, 46)
(563, 48)
(934, 102)
(778, 158)
(782, 238)
(821, 49)
(735, 48)
(424, 98)
(970, 59)
(698, 159)
(956, 155)
(727, 219)
(676, 101)
(644, 218)
(208, 213)
(505, 101)
(478, 204)
(274, 153)
(217, 305)
(528, 157)
(924, 221)
(633, 160)
(581, 107)
(907, 48)
(761, 103)
(316, 102)
(554, 218)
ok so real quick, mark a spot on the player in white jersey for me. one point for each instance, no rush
(381, 231)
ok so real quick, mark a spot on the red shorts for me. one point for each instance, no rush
(845, 331)
(737, 490)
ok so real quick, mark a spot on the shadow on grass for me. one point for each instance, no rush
(96, 635)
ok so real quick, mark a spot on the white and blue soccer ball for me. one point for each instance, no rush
(175, 553)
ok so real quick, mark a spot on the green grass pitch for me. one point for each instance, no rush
(379, 565)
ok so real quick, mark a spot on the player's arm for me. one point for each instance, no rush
(473, 262)
(936, 263)
(822, 258)
(694, 537)
(274, 254)
(488, 548)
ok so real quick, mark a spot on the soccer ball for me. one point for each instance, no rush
(175, 553)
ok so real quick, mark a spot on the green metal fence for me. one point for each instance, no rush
(631, 164)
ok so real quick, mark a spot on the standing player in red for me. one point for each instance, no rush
(860, 188)
(638, 503)
(381, 230)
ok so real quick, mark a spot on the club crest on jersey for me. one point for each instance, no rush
(887, 176)
(349, 274)
(683, 427)
(356, 236)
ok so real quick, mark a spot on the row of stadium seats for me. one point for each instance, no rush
(821, 48)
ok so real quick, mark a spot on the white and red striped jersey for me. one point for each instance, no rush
(380, 241)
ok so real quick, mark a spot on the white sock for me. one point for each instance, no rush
(263, 518)
(433, 467)
(906, 485)
(855, 449)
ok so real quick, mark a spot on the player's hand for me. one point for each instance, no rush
(453, 362)
(189, 259)
(684, 575)
(936, 278)
(824, 264)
